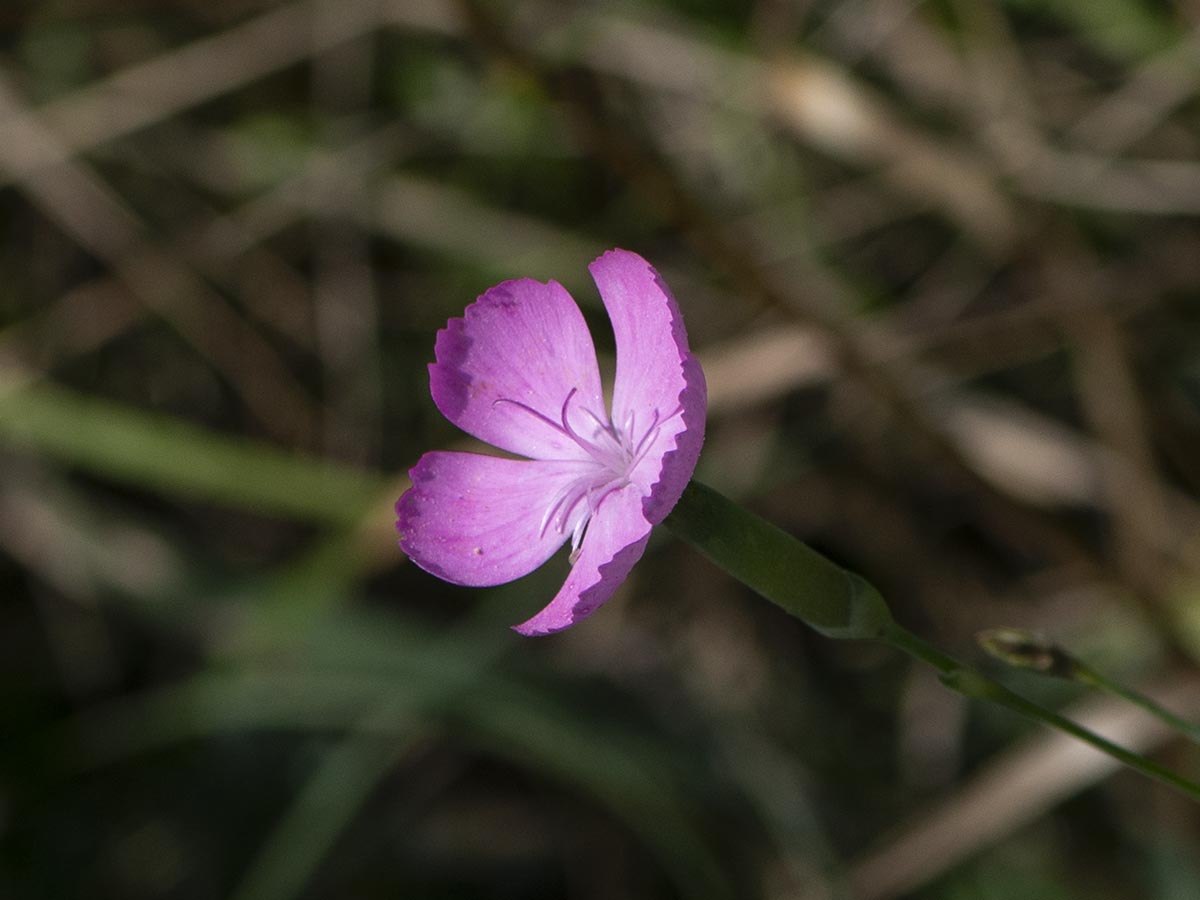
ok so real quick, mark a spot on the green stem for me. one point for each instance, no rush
(1026, 650)
(1085, 674)
(840, 604)
(837, 603)
(972, 683)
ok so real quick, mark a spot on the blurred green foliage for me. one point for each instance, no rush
(941, 261)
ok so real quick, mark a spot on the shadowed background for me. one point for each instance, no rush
(941, 264)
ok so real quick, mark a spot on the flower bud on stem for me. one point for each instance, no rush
(1030, 651)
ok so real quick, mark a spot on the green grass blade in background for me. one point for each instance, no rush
(342, 782)
(157, 452)
(632, 776)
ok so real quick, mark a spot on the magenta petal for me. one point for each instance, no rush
(504, 370)
(518, 370)
(477, 520)
(657, 380)
(615, 540)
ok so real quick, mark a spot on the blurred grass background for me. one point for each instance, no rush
(941, 261)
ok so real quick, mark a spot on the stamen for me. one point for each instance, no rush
(578, 533)
(533, 412)
(611, 455)
(605, 427)
(560, 508)
(600, 454)
(581, 527)
(591, 449)
(651, 436)
(647, 438)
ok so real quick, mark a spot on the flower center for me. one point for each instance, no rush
(610, 456)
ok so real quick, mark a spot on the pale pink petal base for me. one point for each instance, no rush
(477, 520)
(616, 538)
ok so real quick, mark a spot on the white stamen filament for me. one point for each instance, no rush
(613, 454)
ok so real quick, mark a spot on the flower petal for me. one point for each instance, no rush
(505, 369)
(659, 384)
(479, 520)
(615, 540)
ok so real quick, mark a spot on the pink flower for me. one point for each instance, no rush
(519, 371)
